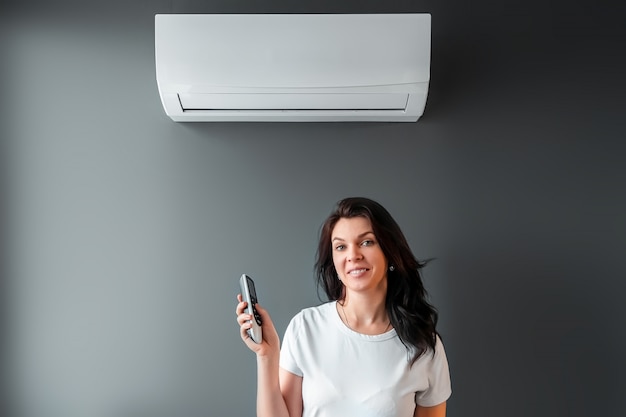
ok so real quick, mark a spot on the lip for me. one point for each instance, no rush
(361, 270)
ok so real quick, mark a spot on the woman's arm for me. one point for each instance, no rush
(291, 388)
(269, 398)
(278, 395)
(435, 411)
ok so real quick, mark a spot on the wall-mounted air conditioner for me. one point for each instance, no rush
(293, 67)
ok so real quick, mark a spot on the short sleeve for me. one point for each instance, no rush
(289, 358)
(439, 385)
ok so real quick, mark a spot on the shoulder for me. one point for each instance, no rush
(316, 313)
(433, 357)
(437, 361)
(312, 317)
(322, 310)
(439, 349)
(435, 367)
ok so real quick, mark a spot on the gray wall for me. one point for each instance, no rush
(124, 233)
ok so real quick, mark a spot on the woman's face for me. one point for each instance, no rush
(357, 255)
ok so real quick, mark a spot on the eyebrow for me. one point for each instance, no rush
(359, 236)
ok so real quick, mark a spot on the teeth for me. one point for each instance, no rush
(357, 271)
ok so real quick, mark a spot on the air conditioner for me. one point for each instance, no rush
(293, 67)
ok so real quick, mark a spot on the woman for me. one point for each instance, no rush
(373, 350)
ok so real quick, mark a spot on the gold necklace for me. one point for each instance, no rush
(348, 321)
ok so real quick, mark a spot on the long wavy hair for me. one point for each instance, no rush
(413, 317)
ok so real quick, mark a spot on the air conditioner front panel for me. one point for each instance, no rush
(310, 50)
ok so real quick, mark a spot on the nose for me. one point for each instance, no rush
(354, 253)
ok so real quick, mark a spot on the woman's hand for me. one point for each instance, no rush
(270, 345)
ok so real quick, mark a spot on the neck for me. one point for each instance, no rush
(364, 314)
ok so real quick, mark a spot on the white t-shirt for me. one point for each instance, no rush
(346, 373)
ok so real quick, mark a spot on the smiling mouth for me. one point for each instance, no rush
(357, 271)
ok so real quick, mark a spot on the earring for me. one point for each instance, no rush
(392, 268)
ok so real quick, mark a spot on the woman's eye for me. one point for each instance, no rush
(339, 247)
(367, 242)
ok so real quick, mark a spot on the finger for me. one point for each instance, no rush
(243, 318)
(244, 331)
(240, 307)
(244, 334)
